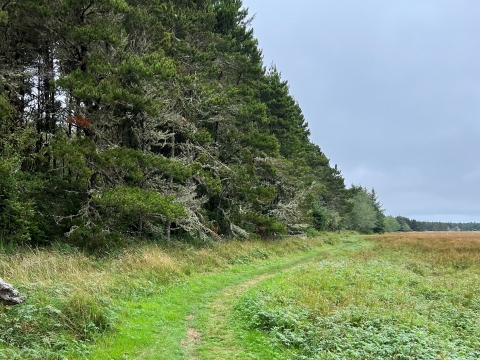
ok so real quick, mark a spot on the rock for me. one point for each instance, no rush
(8, 295)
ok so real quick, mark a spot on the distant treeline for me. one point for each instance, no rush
(401, 223)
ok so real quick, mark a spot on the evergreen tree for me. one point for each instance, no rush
(155, 119)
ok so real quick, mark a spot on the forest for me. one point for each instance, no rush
(155, 119)
(404, 224)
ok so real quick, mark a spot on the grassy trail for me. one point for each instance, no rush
(174, 323)
(140, 302)
(220, 332)
(396, 296)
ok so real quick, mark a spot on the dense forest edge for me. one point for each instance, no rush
(132, 119)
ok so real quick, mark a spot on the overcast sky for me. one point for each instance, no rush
(391, 92)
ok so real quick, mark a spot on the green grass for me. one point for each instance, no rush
(338, 296)
(156, 326)
(129, 305)
(388, 301)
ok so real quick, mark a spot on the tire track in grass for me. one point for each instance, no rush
(157, 326)
(220, 337)
(218, 340)
(187, 316)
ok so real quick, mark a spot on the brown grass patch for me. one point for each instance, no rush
(460, 250)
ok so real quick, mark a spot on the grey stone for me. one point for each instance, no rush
(8, 295)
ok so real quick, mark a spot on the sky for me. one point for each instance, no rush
(391, 93)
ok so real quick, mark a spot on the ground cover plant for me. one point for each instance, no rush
(75, 299)
(407, 296)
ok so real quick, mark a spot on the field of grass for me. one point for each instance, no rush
(337, 296)
(407, 296)
(115, 306)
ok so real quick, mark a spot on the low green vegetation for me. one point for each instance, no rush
(127, 301)
(333, 296)
(396, 299)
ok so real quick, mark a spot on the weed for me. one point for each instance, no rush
(405, 297)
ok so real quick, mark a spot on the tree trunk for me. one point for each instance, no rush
(8, 295)
(168, 224)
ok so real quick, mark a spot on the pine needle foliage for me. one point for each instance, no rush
(160, 111)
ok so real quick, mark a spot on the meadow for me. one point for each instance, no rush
(407, 296)
(334, 296)
(76, 299)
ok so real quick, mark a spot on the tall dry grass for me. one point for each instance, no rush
(47, 267)
(459, 250)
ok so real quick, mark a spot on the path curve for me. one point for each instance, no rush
(221, 344)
